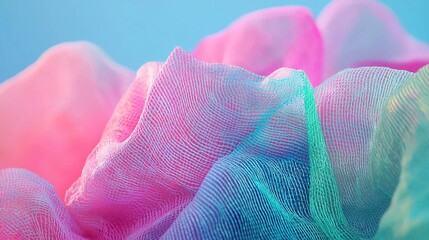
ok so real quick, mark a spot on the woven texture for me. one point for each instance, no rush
(195, 114)
(53, 113)
(404, 137)
(208, 151)
(349, 107)
(30, 209)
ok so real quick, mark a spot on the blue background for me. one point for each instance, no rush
(136, 31)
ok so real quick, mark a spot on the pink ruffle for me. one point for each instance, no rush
(54, 112)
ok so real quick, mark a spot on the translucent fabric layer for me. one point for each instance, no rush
(404, 137)
(360, 33)
(197, 150)
(347, 33)
(349, 106)
(266, 40)
(53, 113)
(194, 114)
(30, 209)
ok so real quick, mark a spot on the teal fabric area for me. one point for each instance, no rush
(217, 152)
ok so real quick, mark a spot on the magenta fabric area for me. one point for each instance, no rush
(281, 126)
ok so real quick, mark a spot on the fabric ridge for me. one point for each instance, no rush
(280, 126)
(200, 150)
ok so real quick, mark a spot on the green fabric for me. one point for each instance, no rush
(405, 128)
(325, 205)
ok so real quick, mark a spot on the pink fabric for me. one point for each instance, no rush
(30, 209)
(174, 120)
(348, 33)
(266, 40)
(178, 118)
(366, 33)
(54, 112)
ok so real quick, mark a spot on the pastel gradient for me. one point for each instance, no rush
(281, 126)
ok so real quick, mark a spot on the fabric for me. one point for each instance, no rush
(347, 33)
(202, 147)
(197, 150)
(350, 102)
(53, 113)
(195, 114)
(30, 209)
(404, 132)
(266, 40)
(360, 33)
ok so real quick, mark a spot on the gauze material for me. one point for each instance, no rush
(404, 138)
(261, 189)
(30, 209)
(198, 150)
(266, 40)
(360, 33)
(349, 106)
(54, 112)
(193, 114)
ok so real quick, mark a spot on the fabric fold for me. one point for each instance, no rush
(358, 33)
(261, 189)
(349, 106)
(202, 150)
(266, 40)
(54, 112)
(30, 209)
(402, 152)
(194, 114)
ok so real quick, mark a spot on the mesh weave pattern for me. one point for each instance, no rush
(209, 151)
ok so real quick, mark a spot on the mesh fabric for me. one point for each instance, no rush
(404, 139)
(209, 151)
(194, 114)
(349, 106)
(53, 113)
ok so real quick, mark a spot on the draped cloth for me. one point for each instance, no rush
(202, 150)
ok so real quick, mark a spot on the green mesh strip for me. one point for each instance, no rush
(325, 205)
